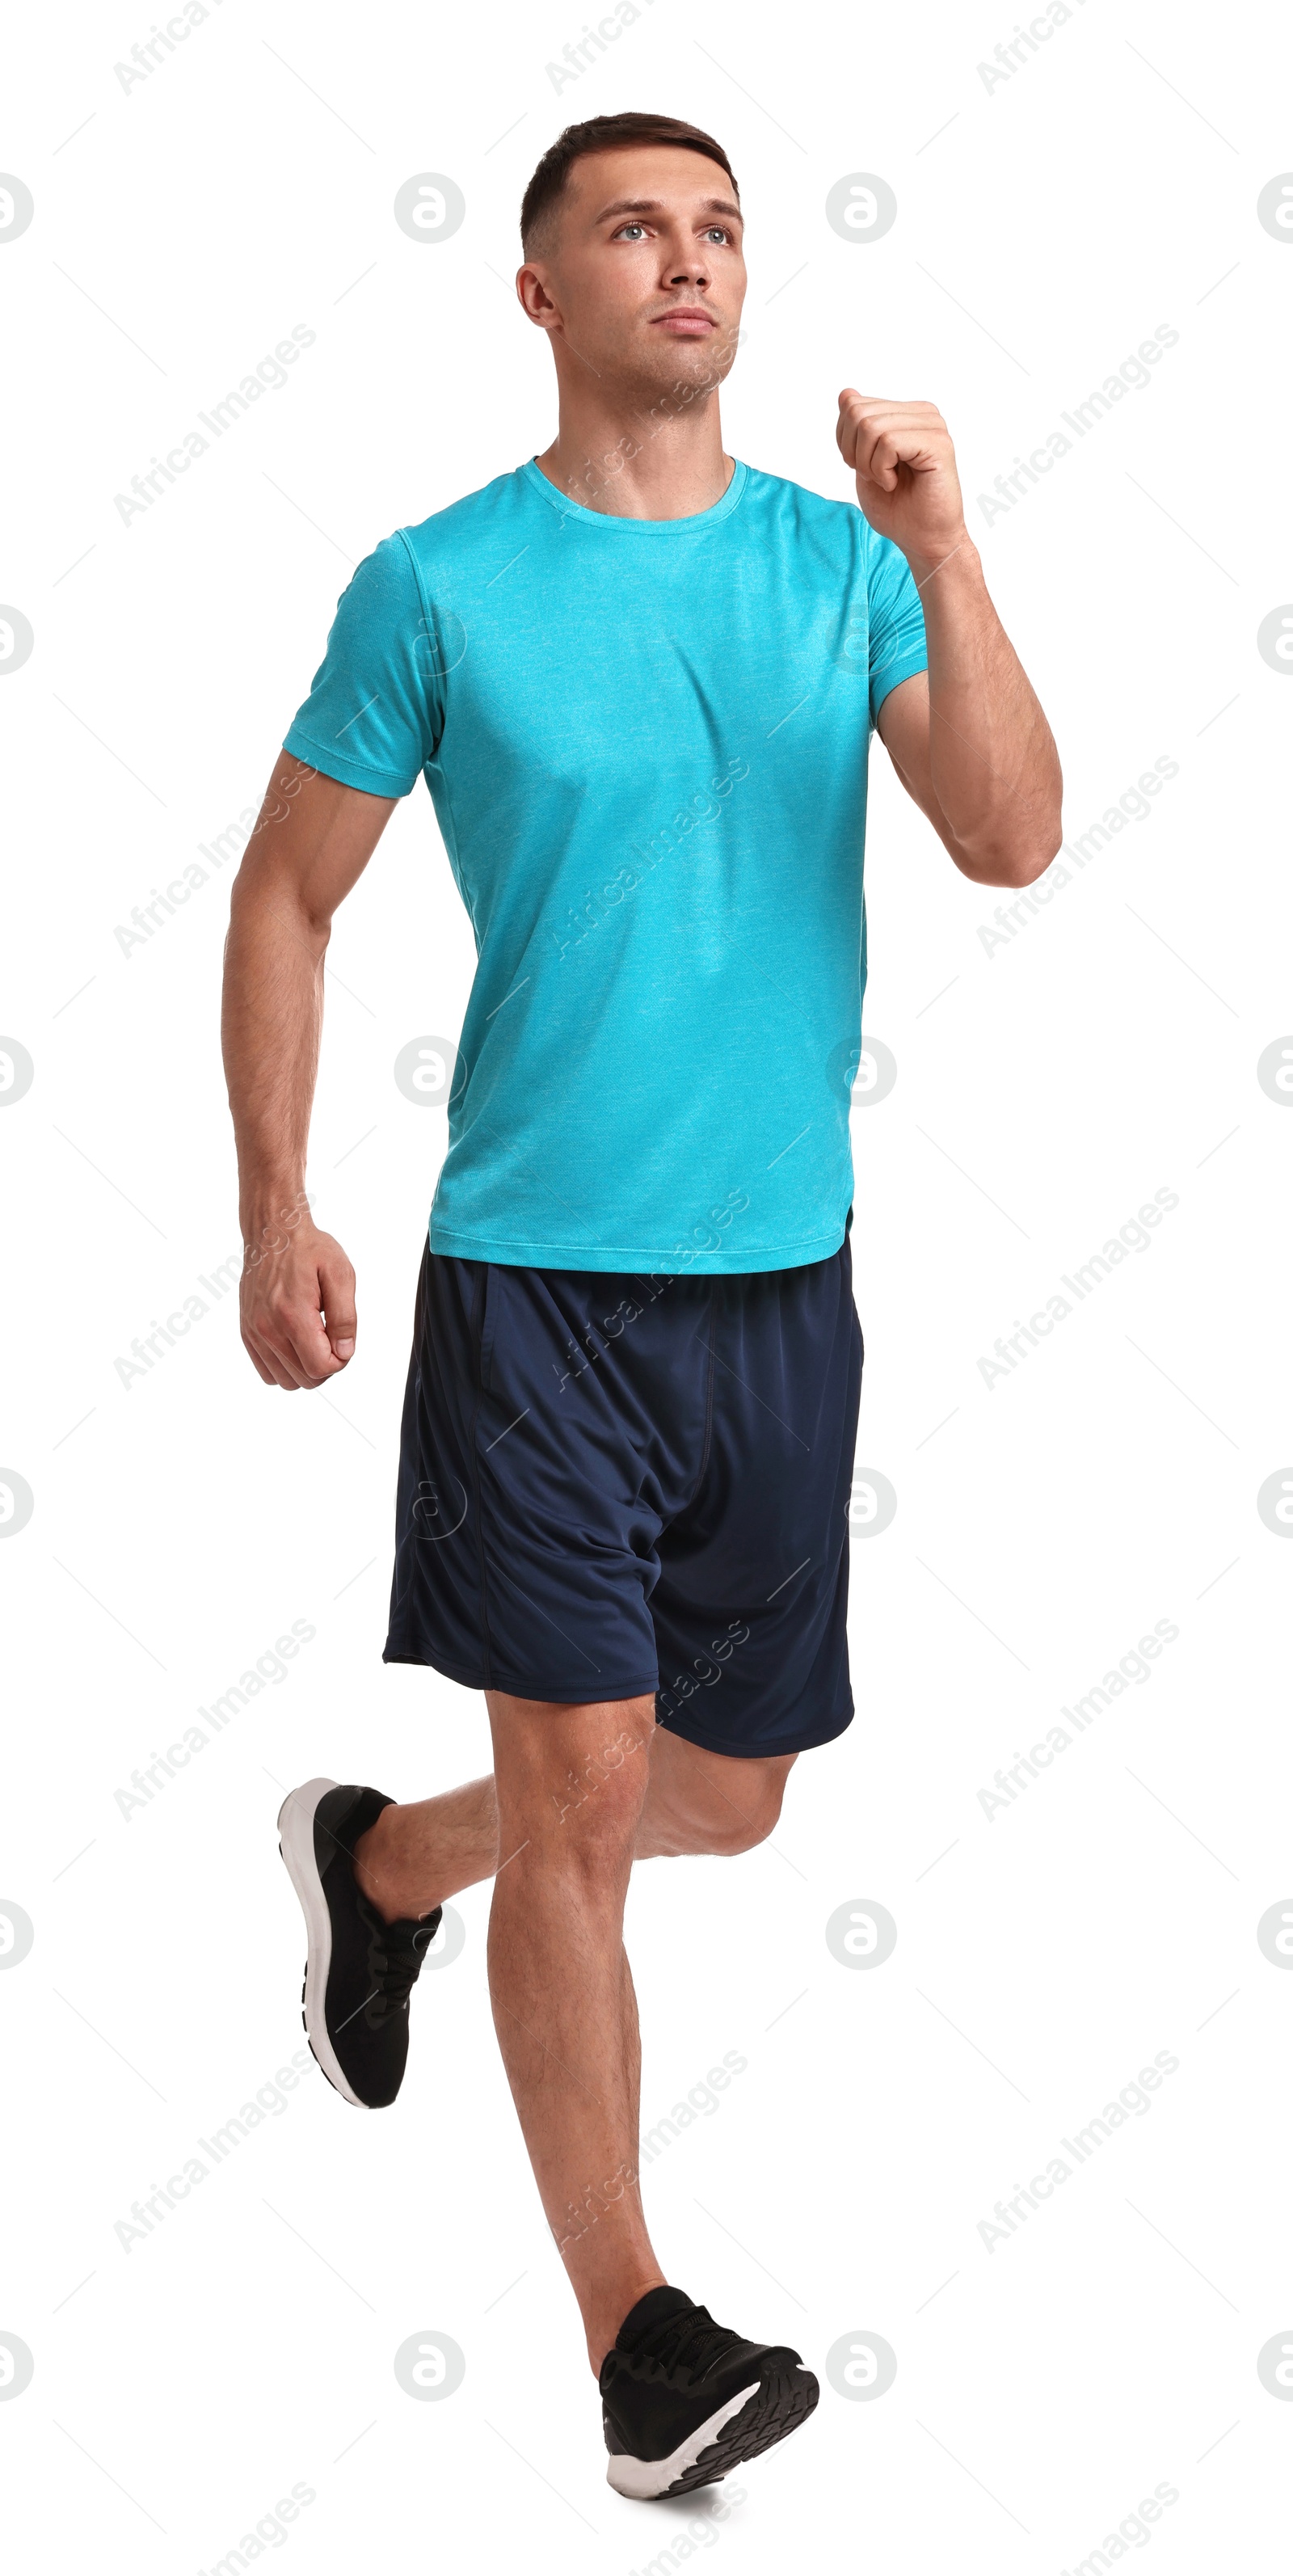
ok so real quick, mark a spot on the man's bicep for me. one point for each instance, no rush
(314, 836)
(903, 727)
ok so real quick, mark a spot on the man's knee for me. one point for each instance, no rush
(575, 1778)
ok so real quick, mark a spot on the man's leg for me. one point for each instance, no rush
(417, 1856)
(582, 1792)
(570, 1784)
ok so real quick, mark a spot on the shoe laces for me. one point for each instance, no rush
(395, 1955)
(690, 2341)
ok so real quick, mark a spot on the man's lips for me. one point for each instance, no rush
(689, 321)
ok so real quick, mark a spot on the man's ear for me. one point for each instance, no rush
(534, 299)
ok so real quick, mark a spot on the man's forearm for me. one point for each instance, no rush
(271, 1026)
(993, 761)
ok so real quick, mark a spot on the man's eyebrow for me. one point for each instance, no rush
(655, 206)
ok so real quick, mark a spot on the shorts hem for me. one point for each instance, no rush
(805, 1743)
(643, 1686)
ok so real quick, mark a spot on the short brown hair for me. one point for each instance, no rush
(606, 134)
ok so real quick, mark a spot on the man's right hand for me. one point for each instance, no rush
(297, 1301)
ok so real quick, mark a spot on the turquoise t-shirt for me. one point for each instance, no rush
(646, 742)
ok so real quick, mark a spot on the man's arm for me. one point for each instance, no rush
(968, 738)
(311, 844)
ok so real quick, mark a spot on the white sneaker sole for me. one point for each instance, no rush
(642, 2479)
(296, 1842)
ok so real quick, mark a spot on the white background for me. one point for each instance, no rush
(1045, 1090)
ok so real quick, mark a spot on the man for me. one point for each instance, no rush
(640, 679)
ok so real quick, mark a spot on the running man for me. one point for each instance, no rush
(640, 679)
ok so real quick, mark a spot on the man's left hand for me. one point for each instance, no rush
(907, 485)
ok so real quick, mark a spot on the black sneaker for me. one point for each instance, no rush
(683, 2399)
(359, 1971)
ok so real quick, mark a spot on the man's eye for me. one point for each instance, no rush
(629, 228)
(717, 232)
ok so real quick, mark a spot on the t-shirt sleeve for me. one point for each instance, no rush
(896, 620)
(371, 719)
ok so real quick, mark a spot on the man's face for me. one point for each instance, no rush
(642, 277)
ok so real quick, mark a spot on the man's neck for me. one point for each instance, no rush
(663, 462)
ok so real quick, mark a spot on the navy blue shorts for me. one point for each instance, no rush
(611, 1485)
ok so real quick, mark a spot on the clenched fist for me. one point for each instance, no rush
(907, 484)
(297, 1298)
